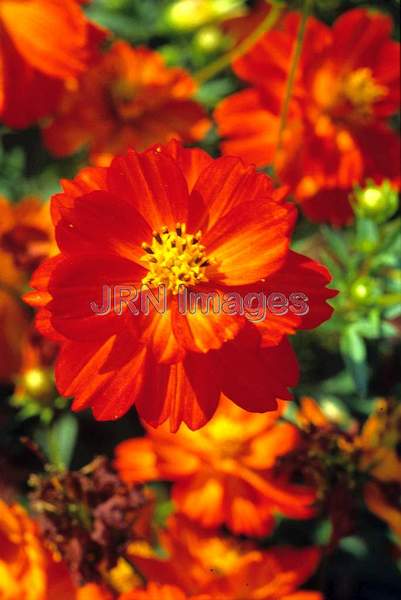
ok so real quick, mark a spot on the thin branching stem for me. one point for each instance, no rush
(296, 55)
(224, 61)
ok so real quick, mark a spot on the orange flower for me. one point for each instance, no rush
(154, 591)
(380, 443)
(201, 562)
(130, 98)
(43, 44)
(90, 591)
(13, 317)
(27, 570)
(337, 133)
(222, 472)
(26, 238)
(27, 233)
(175, 222)
(14, 320)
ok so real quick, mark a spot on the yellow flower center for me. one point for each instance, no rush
(175, 259)
(362, 91)
(226, 435)
(219, 555)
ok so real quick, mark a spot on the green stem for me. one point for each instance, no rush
(292, 74)
(224, 61)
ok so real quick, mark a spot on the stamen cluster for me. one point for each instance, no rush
(175, 259)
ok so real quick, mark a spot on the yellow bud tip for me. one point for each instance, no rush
(37, 382)
(372, 197)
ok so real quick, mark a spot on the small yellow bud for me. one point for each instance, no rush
(37, 383)
(364, 290)
(209, 39)
(187, 15)
(376, 202)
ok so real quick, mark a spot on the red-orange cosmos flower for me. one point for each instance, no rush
(174, 219)
(26, 238)
(28, 571)
(337, 135)
(223, 472)
(204, 562)
(154, 591)
(380, 443)
(43, 43)
(129, 99)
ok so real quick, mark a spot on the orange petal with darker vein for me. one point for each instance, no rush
(26, 94)
(79, 281)
(102, 221)
(254, 378)
(223, 185)
(192, 161)
(50, 35)
(158, 334)
(248, 129)
(302, 274)
(183, 392)
(101, 376)
(154, 184)
(88, 180)
(201, 498)
(203, 326)
(250, 242)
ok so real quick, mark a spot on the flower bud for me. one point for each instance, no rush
(37, 383)
(209, 39)
(364, 290)
(187, 15)
(376, 202)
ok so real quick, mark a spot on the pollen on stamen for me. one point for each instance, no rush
(175, 258)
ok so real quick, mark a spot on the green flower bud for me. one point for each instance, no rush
(365, 290)
(187, 15)
(376, 202)
(209, 39)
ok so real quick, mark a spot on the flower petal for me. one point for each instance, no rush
(87, 371)
(222, 186)
(153, 183)
(180, 392)
(253, 378)
(250, 242)
(192, 161)
(203, 326)
(78, 282)
(100, 221)
(50, 35)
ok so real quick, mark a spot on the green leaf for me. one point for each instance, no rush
(392, 237)
(61, 440)
(370, 327)
(213, 91)
(342, 383)
(367, 235)
(354, 353)
(354, 545)
(337, 243)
